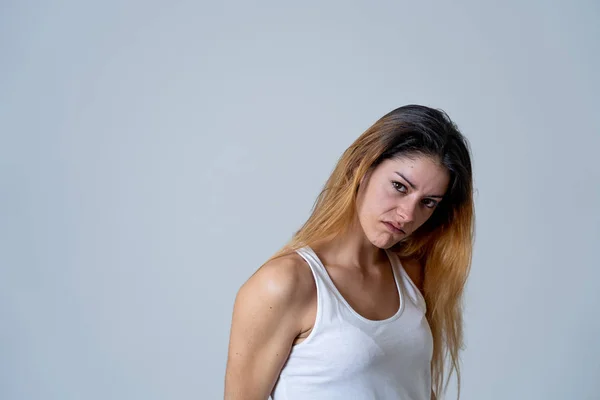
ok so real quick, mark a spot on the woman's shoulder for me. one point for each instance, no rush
(286, 279)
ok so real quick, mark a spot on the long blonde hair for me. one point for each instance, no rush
(443, 244)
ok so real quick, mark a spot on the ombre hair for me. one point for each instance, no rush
(443, 244)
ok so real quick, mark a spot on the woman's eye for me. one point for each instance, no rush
(397, 185)
(430, 203)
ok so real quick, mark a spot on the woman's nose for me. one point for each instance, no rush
(407, 212)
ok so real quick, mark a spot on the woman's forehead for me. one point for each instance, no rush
(423, 172)
(419, 162)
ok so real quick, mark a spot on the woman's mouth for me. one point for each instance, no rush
(393, 228)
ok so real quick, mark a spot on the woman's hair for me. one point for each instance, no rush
(443, 244)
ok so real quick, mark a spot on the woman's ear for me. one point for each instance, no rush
(362, 182)
(365, 177)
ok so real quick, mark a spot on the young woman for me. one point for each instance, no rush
(365, 300)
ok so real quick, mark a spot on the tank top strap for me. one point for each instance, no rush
(309, 255)
(319, 273)
(408, 285)
(327, 301)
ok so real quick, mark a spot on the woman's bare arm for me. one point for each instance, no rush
(267, 317)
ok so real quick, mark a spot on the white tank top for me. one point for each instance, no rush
(347, 356)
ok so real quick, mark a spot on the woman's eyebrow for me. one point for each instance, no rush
(415, 187)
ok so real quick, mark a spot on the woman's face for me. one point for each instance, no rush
(401, 192)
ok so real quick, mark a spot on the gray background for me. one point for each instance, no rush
(155, 154)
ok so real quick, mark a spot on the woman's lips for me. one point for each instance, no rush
(393, 228)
